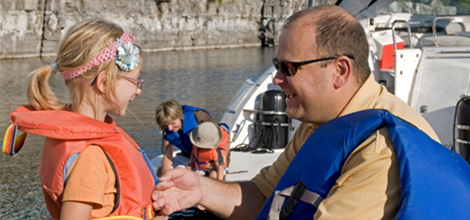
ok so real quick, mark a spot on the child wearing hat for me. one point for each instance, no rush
(210, 145)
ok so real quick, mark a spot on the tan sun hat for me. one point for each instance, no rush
(206, 135)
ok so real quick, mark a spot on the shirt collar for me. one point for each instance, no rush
(365, 97)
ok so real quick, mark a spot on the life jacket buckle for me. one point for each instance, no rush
(295, 193)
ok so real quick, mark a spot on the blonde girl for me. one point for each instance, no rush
(90, 168)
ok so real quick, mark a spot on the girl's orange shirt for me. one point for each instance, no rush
(91, 179)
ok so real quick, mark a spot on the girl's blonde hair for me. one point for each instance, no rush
(167, 112)
(83, 42)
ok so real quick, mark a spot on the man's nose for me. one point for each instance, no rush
(279, 78)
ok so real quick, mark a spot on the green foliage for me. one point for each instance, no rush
(463, 6)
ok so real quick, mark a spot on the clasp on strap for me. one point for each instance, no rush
(295, 193)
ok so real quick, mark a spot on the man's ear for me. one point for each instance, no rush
(102, 81)
(343, 71)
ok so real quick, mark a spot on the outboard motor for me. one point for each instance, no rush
(272, 122)
(462, 126)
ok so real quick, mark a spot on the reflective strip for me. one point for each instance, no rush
(276, 205)
(280, 196)
(69, 163)
(311, 198)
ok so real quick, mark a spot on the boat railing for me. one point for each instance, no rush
(276, 124)
(264, 112)
(466, 128)
(393, 33)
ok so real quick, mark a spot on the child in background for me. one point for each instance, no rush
(90, 168)
(175, 122)
(210, 145)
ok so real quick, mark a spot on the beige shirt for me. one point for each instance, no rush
(369, 185)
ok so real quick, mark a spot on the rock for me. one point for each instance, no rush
(157, 24)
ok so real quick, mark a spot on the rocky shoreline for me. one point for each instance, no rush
(33, 28)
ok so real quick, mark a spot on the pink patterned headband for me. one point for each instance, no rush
(106, 55)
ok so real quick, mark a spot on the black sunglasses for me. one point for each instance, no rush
(290, 68)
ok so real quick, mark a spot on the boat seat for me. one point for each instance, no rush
(460, 39)
(456, 27)
(415, 37)
(456, 32)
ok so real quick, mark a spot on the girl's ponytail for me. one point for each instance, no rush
(40, 94)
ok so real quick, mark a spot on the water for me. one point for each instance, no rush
(204, 78)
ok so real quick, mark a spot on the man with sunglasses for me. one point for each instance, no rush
(322, 66)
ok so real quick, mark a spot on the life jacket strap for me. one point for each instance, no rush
(295, 193)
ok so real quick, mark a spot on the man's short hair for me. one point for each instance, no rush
(167, 112)
(337, 33)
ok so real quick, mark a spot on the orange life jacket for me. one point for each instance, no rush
(68, 133)
(203, 157)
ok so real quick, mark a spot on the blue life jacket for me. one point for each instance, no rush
(189, 123)
(435, 181)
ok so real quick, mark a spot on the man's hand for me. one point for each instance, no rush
(179, 189)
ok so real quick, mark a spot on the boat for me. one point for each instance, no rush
(419, 50)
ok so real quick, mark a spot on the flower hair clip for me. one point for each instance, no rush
(123, 51)
(128, 56)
